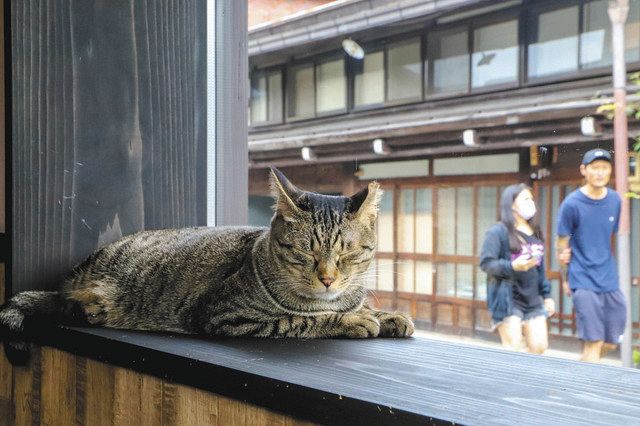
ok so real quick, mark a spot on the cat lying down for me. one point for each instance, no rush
(304, 277)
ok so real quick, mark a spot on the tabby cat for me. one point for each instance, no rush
(303, 277)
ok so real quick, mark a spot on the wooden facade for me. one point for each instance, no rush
(108, 128)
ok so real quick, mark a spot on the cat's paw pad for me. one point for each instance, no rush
(358, 326)
(395, 324)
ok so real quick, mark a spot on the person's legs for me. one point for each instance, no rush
(591, 351)
(591, 325)
(510, 330)
(615, 318)
(536, 334)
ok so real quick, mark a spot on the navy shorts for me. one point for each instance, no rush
(529, 314)
(601, 316)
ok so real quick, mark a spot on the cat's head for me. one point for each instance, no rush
(326, 243)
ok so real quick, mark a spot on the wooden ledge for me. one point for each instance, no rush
(379, 380)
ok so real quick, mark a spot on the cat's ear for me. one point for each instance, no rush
(285, 194)
(365, 204)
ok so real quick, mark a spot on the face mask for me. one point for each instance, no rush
(526, 209)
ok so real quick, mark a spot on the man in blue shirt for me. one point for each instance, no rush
(587, 219)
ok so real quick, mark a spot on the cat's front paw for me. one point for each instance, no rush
(359, 326)
(395, 324)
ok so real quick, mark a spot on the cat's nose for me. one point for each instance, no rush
(327, 281)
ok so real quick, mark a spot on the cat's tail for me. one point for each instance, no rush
(23, 313)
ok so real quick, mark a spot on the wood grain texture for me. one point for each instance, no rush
(108, 127)
(27, 391)
(231, 412)
(127, 397)
(58, 388)
(98, 407)
(151, 401)
(189, 406)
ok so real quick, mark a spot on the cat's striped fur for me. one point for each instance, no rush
(303, 277)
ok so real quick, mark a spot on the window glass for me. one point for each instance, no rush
(301, 92)
(447, 279)
(481, 284)
(258, 99)
(555, 48)
(405, 276)
(487, 213)
(446, 221)
(495, 54)
(385, 274)
(424, 221)
(449, 53)
(405, 71)
(275, 97)
(464, 281)
(331, 86)
(405, 221)
(369, 80)
(424, 277)
(632, 32)
(595, 40)
(385, 222)
(464, 221)
(372, 271)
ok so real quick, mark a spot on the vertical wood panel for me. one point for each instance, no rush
(261, 417)
(127, 397)
(151, 401)
(99, 387)
(58, 388)
(183, 405)
(231, 412)
(27, 391)
(108, 111)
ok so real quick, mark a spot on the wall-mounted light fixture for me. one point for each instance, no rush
(308, 154)
(470, 138)
(380, 147)
(352, 48)
(590, 126)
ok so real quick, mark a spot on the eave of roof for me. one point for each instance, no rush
(508, 109)
(342, 18)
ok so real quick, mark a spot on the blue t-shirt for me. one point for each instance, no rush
(590, 223)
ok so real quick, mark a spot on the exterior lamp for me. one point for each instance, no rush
(590, 126)
(308, 154)
(380, 147)
(470, 138)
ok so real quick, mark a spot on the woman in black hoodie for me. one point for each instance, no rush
(518, 293)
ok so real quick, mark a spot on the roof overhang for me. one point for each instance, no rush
(504, 121)
(345, 19)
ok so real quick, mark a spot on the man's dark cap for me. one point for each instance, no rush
(596, 154)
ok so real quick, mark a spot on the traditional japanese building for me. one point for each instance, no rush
(452, 101)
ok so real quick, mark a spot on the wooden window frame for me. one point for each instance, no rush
(278, 116)
(412, 298)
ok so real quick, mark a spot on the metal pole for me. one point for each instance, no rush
(618, 11)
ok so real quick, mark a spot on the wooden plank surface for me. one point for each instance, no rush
(27, 391)
(108, 124)
(98, 393)
(58, 388)
(385, 380)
